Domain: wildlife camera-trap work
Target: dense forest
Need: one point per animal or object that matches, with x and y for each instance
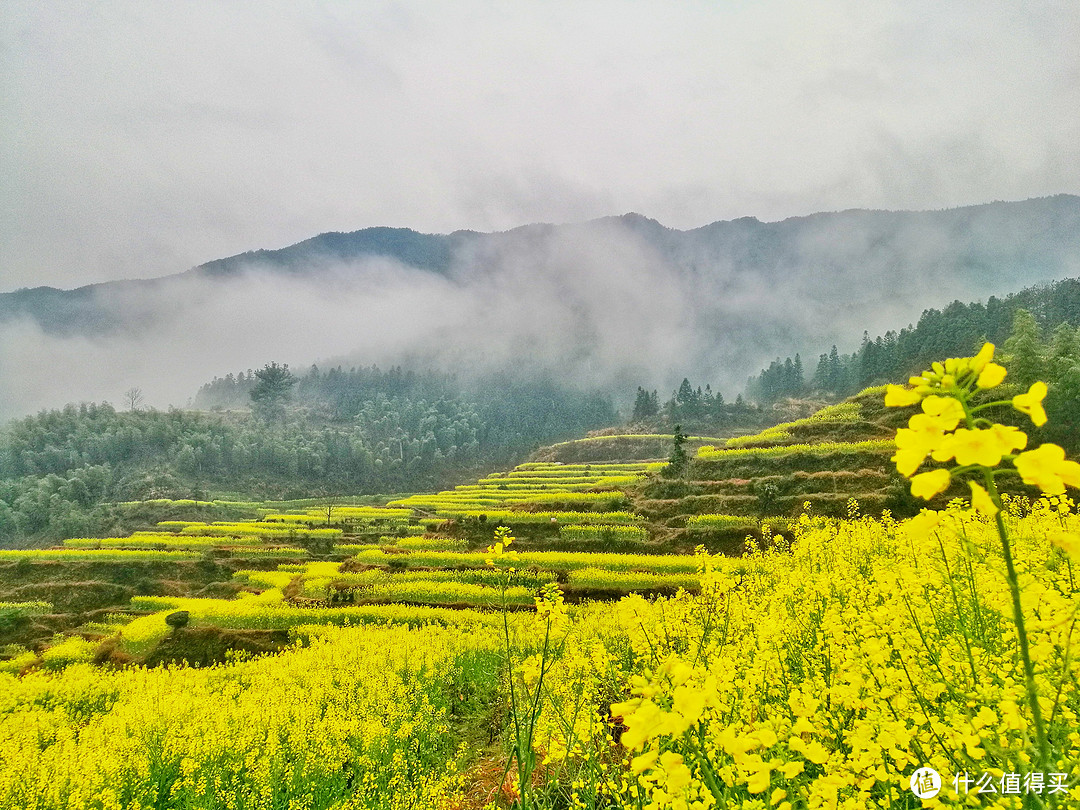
(356, 431)
(1051, 320)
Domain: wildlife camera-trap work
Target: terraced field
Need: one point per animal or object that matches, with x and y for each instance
(609, 520)
(416, 552)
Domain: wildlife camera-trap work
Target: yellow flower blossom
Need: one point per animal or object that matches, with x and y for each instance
(982, 447)
(923, 524)
(947, 410)
(991, 376)
(981, 501)
(979, 362)
(896, 396)
(644, 762)
(792, 769)
(759, 774)
(1031, 403)
(928, 484)
(925, 432)
(643, 720)
(908, 459)
(678, 776)
(813, 750)
(1047, 468)
(1069, 543)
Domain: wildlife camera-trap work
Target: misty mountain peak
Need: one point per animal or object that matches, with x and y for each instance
(592, 301)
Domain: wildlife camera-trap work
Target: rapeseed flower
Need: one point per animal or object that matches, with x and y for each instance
(981, 500)
(1047, 468)
(928, 484)
(1031, 403)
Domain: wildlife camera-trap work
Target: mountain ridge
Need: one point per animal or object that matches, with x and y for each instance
(409, 239)
(609, 304)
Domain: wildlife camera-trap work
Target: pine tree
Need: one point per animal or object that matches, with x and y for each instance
(645, 405)
(1025, 349)
(1064, 351)
(821, 375)
(272, 391)
(679, 459)
(836, 372)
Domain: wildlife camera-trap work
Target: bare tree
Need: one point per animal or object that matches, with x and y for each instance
(329, 507)
(133, 398)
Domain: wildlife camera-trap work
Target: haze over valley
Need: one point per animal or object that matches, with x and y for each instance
(605, 305)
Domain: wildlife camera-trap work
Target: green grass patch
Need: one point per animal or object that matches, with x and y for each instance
(430, 543)
(624, 534)
(720, 522)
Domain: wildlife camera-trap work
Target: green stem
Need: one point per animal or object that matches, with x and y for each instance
(986, 405)
(1021, 628)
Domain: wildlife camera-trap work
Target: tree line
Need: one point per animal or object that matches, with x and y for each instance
(351, 432)
(697, 408)
(956, 330)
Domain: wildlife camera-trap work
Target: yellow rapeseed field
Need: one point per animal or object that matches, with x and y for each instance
(850, 663)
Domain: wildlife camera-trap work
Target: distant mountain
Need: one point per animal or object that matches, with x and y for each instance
(613, 301)
(859, 256)
(421, 250)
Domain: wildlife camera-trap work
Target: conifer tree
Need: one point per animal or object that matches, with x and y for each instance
(1025, 348)
(272, 390)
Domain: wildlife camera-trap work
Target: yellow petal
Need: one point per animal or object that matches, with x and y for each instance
(985, 355)
(644, 762)
(946, 412)
(908, 461)
(981, 500)
(1043, 467)
(896, 396)
(1067, 542)
(991, 376)
(792, 769)
(1031, 403)
(928, 484)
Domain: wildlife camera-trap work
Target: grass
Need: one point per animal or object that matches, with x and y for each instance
(430, 543)
(617, 533)
(720, 522)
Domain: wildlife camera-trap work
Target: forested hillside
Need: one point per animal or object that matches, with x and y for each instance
(359, 431)
(957, 329)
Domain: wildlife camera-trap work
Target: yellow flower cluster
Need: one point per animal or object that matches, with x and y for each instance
(360, 718)
(824, 675)
(550, 606)
(945, 393)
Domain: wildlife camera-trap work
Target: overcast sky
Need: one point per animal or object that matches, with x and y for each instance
(141, 138)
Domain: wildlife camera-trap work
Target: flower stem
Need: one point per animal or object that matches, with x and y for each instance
(1021, 628)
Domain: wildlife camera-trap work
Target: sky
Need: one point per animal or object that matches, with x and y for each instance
(140, 139)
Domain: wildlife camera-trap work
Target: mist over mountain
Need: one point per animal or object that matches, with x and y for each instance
(605, 304)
